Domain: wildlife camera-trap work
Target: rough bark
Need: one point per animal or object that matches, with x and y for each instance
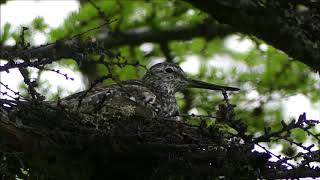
(291, 26)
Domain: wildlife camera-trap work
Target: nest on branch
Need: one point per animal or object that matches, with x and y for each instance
(57, 144)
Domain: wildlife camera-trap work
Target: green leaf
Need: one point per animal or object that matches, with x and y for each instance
(39, 24)
(5, 33)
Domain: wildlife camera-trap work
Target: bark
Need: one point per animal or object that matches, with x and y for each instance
(291, 26)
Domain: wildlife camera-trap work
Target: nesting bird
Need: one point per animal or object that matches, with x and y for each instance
(152, 96)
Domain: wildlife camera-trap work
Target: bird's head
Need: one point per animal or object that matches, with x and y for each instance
(169, 77)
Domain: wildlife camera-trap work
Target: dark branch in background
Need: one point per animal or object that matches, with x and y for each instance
(100, 12)
(31, 85)
(166, 51)
(24, 72)
(188, 98)
(71, 48)
(22, 43)
(279, 23)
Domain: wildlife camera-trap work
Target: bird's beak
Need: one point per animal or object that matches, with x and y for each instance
(204, 85)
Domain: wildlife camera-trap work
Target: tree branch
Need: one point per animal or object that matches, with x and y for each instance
(278, 23)
(68, 48)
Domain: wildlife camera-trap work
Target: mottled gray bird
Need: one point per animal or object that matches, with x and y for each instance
(152, 96)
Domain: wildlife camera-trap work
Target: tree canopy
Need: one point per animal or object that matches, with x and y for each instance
(114, 40)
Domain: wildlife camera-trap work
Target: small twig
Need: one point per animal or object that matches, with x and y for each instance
(11, 90)
(166, 51)
(277, 156)
(31, 85)
(197, 116)
(101, 12)
(59, 72)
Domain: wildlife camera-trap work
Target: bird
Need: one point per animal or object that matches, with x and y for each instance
(151, 96)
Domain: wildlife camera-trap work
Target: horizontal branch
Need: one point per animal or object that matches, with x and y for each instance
(292, 173)
(68, 48)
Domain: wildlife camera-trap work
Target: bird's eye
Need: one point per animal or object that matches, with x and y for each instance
(169, 70)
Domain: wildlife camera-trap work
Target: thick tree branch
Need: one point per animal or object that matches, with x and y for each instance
(69, 48)
(292, 173)
(279, 23)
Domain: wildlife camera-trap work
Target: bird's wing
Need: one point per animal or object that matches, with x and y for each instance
(129, 98)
